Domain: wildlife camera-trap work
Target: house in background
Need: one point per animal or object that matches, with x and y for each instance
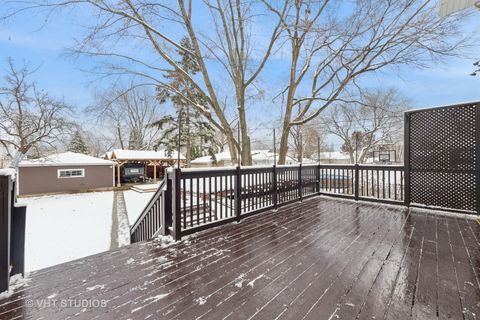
(64, 172)
(223, 159)
(334, 157)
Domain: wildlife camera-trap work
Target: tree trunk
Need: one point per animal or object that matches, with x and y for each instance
(245, 148)
(282, 154)
(120, 137)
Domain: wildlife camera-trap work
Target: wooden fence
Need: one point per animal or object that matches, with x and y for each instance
(12, 232)
(191, 200)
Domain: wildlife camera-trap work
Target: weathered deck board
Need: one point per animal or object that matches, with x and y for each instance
(319, 259)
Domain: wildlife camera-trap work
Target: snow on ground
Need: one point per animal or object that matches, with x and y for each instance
(136, 202)
(123, 232)
(66, 227)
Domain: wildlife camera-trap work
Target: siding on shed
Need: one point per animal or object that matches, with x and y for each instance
(43, 179)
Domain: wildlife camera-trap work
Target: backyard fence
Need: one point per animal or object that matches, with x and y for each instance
(191, 200)
(12, 232)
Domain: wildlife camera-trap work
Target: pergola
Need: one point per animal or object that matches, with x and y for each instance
(160, 158)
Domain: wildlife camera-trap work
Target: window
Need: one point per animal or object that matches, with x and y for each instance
(71, 173)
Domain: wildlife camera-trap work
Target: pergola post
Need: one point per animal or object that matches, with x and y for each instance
(119, 163)
(154, 172)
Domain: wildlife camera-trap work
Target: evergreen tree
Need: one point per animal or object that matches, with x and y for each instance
(77, 144)
(197, 134)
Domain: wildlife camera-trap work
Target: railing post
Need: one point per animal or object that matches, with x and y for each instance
(300, 182)
(406, 159)
(238, 194)
(275, 187)
(319, 170)
(176, 209)
(5, 216)
(17, 247)
(357, 183)
(167, 212)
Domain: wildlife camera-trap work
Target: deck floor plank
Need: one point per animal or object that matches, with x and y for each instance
(318, 259)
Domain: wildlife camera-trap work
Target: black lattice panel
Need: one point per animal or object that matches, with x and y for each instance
(447, 190)
(442, 157)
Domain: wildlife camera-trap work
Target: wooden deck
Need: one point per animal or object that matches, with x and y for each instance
(319, 259)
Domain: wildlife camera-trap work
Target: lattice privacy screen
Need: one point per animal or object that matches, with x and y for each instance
(442, 152)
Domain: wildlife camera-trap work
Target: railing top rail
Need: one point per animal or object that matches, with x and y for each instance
(209, 171)
(161, 188)
(363, 166)
(386, 167)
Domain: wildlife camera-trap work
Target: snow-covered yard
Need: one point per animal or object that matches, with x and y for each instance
(65, 227)
(135, 203)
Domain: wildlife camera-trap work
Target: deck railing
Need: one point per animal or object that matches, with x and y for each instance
(364, 182)
(12, 232)
(191, 200)
(151, 221)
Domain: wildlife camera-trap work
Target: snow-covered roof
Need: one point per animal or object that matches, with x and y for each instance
(257, 155)
(308, 161)
(222, 156)
(121, 154)
(108, 155)
(334, 155)
(66, 159)
(265, 155)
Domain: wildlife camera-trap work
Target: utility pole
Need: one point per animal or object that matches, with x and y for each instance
(239, 160)
(179, 137)
(318, 148)
(274, 149)
(356, 148)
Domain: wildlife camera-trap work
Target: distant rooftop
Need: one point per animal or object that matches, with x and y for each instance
(121, 154)
(67, 159)
(258, 156)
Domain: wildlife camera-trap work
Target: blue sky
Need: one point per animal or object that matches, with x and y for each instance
(61, 74)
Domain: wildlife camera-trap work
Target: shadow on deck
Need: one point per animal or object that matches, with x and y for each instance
(319, 259)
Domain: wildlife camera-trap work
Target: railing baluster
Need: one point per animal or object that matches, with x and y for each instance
(221, 197)
(197, 187)
(191, 202)
(204, 201)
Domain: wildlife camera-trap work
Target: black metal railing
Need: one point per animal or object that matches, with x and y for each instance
(151, 220)
(191, 200)
(364, 182)
(12, 231)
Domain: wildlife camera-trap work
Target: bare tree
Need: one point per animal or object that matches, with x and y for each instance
(333, 43)
(29, 118)
(227, 45)
(328, 46)
(377, 119)
(98, 143)
(129, 113)
(306, 140)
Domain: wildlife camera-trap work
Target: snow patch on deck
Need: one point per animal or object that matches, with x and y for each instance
(16, 282)
(95, 287)
(165, 241)
(150, 300)
(252, 283)
(239, 280)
